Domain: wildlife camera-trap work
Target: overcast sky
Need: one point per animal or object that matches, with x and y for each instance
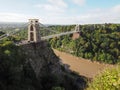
(61, 11)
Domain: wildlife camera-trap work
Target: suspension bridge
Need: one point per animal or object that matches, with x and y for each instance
(76, 29)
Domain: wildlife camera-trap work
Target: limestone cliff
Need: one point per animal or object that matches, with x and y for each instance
(41, 58)
(48, 69)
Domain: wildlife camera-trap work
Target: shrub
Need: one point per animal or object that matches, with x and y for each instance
(108, 80)
(58, 88)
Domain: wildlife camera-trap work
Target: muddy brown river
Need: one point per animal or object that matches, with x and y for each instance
(82, 66)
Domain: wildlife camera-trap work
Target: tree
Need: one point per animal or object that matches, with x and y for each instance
(100, 40)
(107, 80)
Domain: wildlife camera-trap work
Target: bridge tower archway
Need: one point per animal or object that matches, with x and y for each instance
(77, 28)
(76, 35)
(33, 30)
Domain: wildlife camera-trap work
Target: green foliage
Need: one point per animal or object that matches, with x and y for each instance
(48, 81)
(1, 33)
(58, 88)
(7, 52)
(108, 80)
(98, 42)
(15, 74)
(22, 34)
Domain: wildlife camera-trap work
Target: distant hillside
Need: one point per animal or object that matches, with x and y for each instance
(11, 25)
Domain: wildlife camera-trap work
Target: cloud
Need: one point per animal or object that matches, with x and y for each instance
(50, 8)
(53, 6)
(58, 3)
(79, 2)
(116, 9)
(110, 15)
(15, 17)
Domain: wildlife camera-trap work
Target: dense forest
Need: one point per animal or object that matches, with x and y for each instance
(99, 42)
(15, 74)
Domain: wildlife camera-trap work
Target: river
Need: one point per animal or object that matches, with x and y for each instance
(82, 66)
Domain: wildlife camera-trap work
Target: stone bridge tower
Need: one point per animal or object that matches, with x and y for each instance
(76, 35)
(33, 31)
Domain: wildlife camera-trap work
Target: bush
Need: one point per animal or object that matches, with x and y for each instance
(58, 88)
(108, 80)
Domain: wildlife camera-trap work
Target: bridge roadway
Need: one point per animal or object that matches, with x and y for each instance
(43, 38)
(57, 35)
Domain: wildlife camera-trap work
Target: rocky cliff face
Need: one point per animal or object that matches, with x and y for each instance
(48, 69)
(42, 58)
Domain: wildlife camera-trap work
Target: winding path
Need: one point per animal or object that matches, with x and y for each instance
(82, 66)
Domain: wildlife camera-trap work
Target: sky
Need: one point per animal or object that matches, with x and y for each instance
(61, 11)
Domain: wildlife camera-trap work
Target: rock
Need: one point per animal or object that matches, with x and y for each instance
(42, 58)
